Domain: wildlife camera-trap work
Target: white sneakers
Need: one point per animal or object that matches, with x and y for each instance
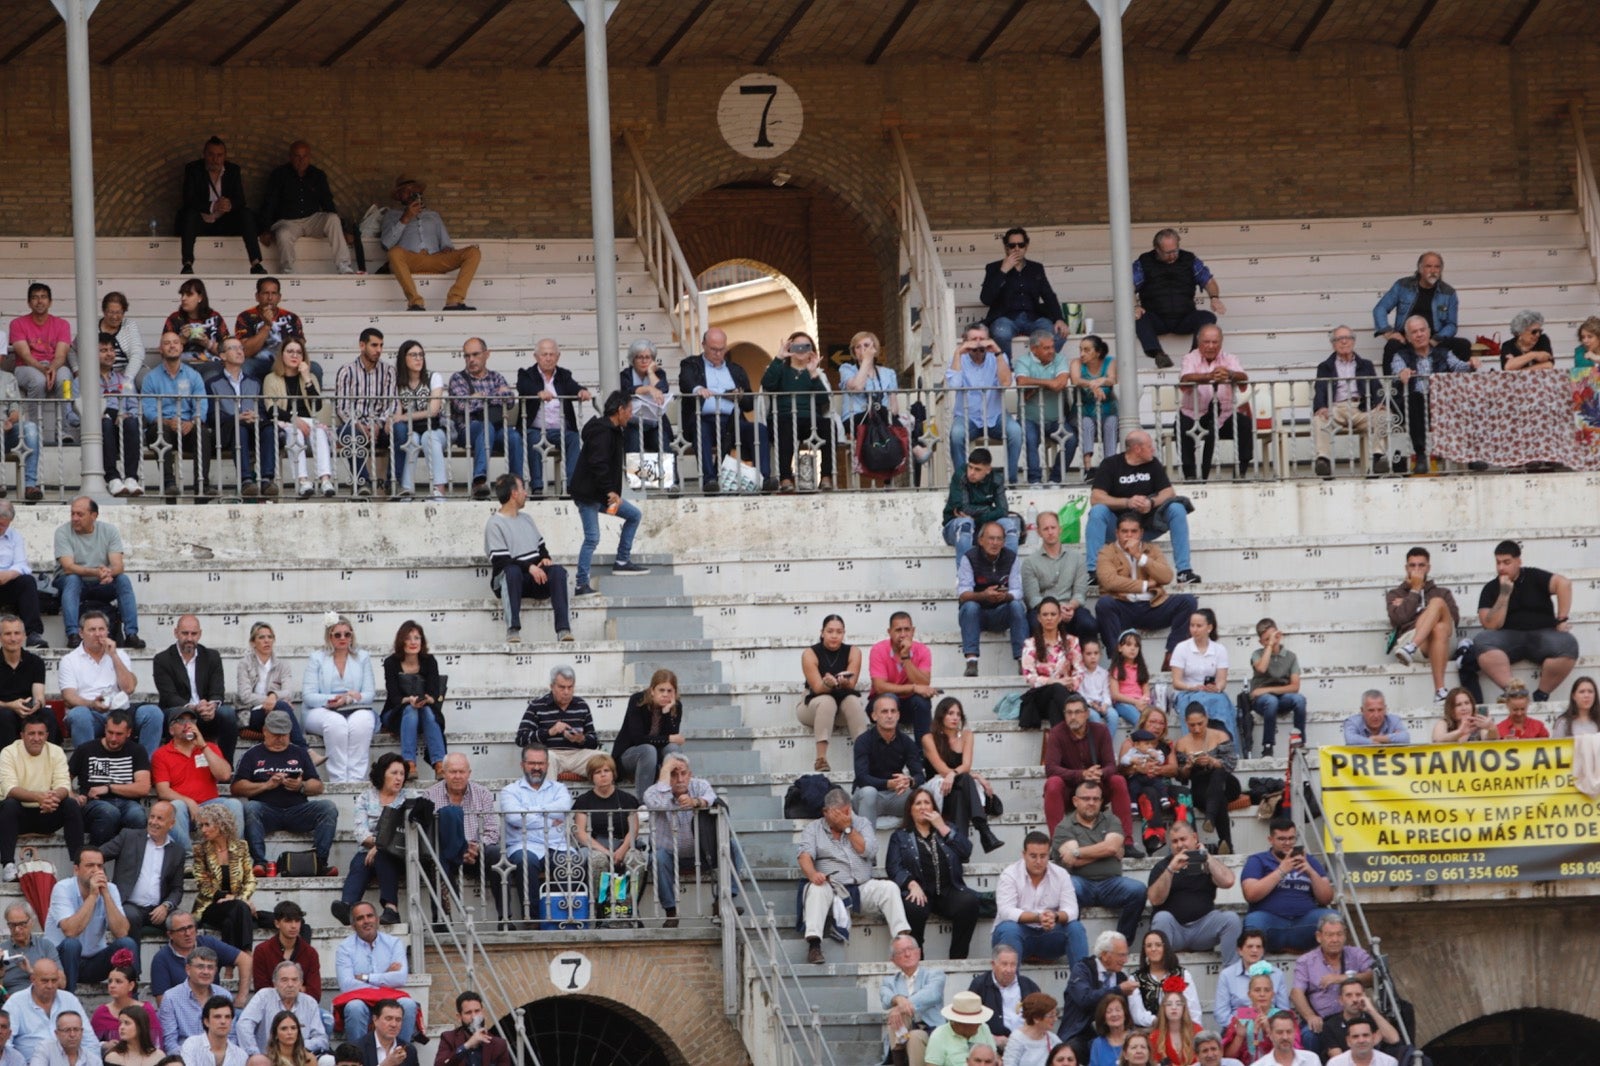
(130, 487)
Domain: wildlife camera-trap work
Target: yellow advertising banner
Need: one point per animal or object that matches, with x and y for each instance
(1460, 813)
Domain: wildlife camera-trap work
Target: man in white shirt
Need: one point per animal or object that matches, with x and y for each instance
(1282, 1027)
(68, 1048)
(1362, 1035)
(149, 869)
(96, 678)
(1036, 908)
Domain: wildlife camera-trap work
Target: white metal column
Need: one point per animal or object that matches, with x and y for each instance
(1120, 212)
(594, 15)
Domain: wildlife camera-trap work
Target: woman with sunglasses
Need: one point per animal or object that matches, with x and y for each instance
(1529, 347)
(338, 690)
(796, 379)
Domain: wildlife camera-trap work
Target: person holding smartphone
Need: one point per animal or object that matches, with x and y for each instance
(832, 672)
(801, 390)
(1288, 892)
(276, 780)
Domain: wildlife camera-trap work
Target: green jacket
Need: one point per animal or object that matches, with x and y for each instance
(985, 501)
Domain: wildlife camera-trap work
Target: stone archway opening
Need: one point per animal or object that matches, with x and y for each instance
(1518, 1038)
(579, 1030)
(757, 306)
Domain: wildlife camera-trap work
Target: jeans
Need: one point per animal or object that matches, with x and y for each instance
(484, 437)
(360, 447)
(256, 719)
(975, 617)
(104, 817)
(1037, 433)
(1125, 711)
(642, 762)
(1049, 944)
(1287, 934)
(180, 822)
(27, 434)
(358, 1019)
(1102, 520)
(451, 825)
(562, 443)
(962, 430)
(959, 533)
(428, 441)
(589, 514)
(85, 724)
(1149, 327)
(92, 969)
(664, 861)
(1006, 327)
(320, 816)
(74, 590)
(515, 587)
(918, 712)
(1267, 708)
(252, 444)
(1124, 894)
(410, 721)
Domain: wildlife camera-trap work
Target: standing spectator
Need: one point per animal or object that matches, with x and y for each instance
(472, 1043)
(652, 728)
(1234, 981)
(1519, 624)
(97, 676)
(237, 424)
(562, 725)
(1080, 750)
(33, 1015)
(596, 485)
(1088, 844)
(287, 943)
(1002, 989)
(1319, 975)
(989, 591)
(187, 771)
(364, 403)
(174, 409)
(520, 563)
(275, 780)
(1200, 672)
(979, 374)
(800, 399)
(91, 557)
(1133, 482)
(837, 855)
(86, 922)
(149, 869)
(1018, 295)
(1096, 688)
(832, 672)
(224, 880)
(338, 691)
(292, 398)
(1094, 374)
(21, 681)
(1183, 894)
(22, 948)
(902, 667)
(412, 696)
(1420, 358)
(113, 776)
(1348, 396)
(368, 959)
(977, 497)
(37, 796)
(1043, 372)
(189, 674)
(418, 243)
(913, 995)
(888, 765)
(533, 809)
(716, 396)
(1052, 667)
(213, 206)
(482, 401)
(200, 330)
(1206, 761)
(1036, 909)
(948, 753)
(386, 791)
(417, 426)
(121, 439)
(262, 681)
(38, 344)
(1424, 617)
(1273, 689)
(266, 327)
(1287, 891)
(925, 859)
(1164, 281)
(1373, 724)
(298, 203)
(1057, 570)
(1516, 725)
(1423, 295)
(1213, 405)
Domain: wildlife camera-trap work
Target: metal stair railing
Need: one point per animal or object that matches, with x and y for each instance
(682, 298)
(1587, 191)
(928, 307)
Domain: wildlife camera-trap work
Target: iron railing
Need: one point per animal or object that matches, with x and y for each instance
(652, 227)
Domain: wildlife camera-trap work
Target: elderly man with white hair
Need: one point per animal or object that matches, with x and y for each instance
(683, 835)
(1090, 980)
(838, 857)
(913, 995)
(562, 723)
(287, 993)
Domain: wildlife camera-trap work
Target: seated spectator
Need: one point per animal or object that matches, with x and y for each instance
(652, 728)
(370, 961)
(113, 776)
(338, 691)
(1134, 482)
(237, 425)
(1284, 1033)
(1096, 686)
(716, 396)
(473, 1041)
(22, 676)
(1094, 373)
(127, 1038)
(1094, 977)
(902, 667)
(1245, 1037)
(1133, 592)
(1316, 990)
(1425, 295)
(1113, 1029)
(275, 779)
(90, 555)
(148, 897)
(1424, 618)
(291, 397)
(69, 1047)
(1206, 759)
(262, 681)
(96, 677)
(605, 822)
(288, 943)
(1200, 672)
(1052, 668)
(549, 421)
(961, 793)
(1373, 724)
(412, 696)
(364, 405)
(298, 203)
(175, 411)
(371, 862)
(1018, 295)
(23, 950)
(1129, 679)
(485, 415)
(386, 1043)
(19, 594)
(1057, 570)
(838, 853)
(183, 1004)
(977, 497)
(683, 836)
(520, 563)
(38, 345)
(832, 672)
(649, 429)
(1088, 844)
(417, 422)
(1355, 1007)
(37, 793)
(888, 765)
(562, 725)
(1002, 989)
(121, 438)
(200, 331)
(217, 1044)
(865, 384)
(1214, 404)
(19, 432)
(534, 812)
(1036, 908)
(418, 243)
(1172, 1035)
(1043, 372)
(265, 328)
(1422, 356)
(463, 811)
(189, 674)
(1273, 688)
(1080, 750)
(1032, 1043)
(33, 1016)
(258, 1025)
(213, 206)
(225, 879)
(1233, 982)
(1519, 624)
(800, 408)
(1461, 722)
(925, 859)
(1516, 725)
(958, 1040)
(169, 966)
(1581, 718)
(187, 771)
(1142, 759)
(989, 591)
(1183, 897)
(913, 995)
(1362, 1036)
(1164, 282)
(1529, 346)
(979, 374)
(1286, 890)
(1348, 397)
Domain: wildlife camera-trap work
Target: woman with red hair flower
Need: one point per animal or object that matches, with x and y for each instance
(1172, 1039)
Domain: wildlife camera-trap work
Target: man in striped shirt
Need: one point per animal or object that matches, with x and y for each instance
(364, 399)
(562, 723)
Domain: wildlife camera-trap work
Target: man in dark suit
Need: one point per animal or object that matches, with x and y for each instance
(213, 205)
(383, 1046)
(471, 1043)
(1002, 982)
(716, 396)
(549, 412)
(1090, 980)
(143, 903)
(189, 674)
(1018, 295)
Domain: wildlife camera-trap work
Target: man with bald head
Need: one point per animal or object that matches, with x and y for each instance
(485, 417)
(550, 399)
(1134, 482)
(33, 1015)
(716, 396)
(300, 204)
(1211, 405)
(188, 674)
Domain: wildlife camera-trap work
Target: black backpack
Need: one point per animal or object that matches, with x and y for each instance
(883, 451)
(804, 798)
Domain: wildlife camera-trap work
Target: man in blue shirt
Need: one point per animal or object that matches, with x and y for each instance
(369, 959)
(33, 1013)
(238, 425)
(1373, 724)
(535, 825)
(168, 964)
(978, 375)
(182, 1007)
(86, 923)
(418, 243)
(175, 416)
(1287, 890)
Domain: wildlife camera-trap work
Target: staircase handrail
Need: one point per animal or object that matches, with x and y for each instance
(926, 273)
(685, 303)
(1587, 191)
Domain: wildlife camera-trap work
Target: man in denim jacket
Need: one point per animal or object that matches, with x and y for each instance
(1424, 294)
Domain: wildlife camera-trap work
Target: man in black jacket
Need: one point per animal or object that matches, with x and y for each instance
(1348, 396)
(1164, 279)
(1018, 295)
(213, 205)
(1002, 990)
(596, 484)
(549, 413)
(383, 1046)
(716, 396)
(203, 689)
(299, 204)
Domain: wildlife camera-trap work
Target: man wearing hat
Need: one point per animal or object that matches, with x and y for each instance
(275, 779)
(418, 243)
(963, 1030)
(186, 771)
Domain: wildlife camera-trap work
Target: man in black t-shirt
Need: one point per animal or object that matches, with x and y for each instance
(275, 779)
(1183, 892)
(1133, 480)
(21, 679)
(1519, 624)
(1355, 1005)
(112, 776)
